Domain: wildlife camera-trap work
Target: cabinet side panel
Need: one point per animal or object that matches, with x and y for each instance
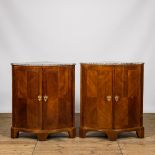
(82, 94)
(141, 94)
(19, 98)
(91, 83)
(134, 96)
(90, 99)
(65, 97)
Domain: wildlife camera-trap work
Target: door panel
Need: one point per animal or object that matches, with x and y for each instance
(57, 111)
(127, 87)
(104, 91)
(27, 108)
(120, 90)
(97, 85)
(50, 107)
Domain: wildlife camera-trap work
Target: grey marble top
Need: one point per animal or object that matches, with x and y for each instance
(42, 63)
(112, 63)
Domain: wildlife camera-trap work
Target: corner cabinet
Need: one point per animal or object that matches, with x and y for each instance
(112, 98)
(43, 99)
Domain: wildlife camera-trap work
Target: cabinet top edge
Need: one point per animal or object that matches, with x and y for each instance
(46, 63)
(112, 63)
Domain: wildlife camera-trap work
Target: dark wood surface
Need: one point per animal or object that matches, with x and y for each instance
(112, 99)
(56, 113)
(26, 88)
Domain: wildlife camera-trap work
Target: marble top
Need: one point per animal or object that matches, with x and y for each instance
(42, 63)
(112, 63)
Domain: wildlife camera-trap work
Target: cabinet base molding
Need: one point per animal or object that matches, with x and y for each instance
(112, 134)
(42, 134)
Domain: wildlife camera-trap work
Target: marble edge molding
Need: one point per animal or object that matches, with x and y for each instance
(63, 64)
(41, 64)
(111, 63)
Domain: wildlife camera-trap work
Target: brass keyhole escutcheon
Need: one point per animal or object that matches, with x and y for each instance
(45, 98)
(39, 98)
(108, 98)
(116, 98)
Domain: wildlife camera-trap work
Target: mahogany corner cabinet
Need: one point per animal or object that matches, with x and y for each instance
(112, 98)
(43, 99)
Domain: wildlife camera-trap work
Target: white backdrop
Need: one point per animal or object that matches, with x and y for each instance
(77, 31)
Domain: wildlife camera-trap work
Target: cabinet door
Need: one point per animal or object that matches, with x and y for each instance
(127, 87)
(26, 88)
(58, 85)
(96, 96)
(105, 93)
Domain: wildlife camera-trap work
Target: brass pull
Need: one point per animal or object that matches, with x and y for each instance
(108, 98)
(116, 98)
(45, 98)
(39, 98)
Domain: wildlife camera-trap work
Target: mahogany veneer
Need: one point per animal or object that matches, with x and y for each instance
(43, 99)
(112, 98)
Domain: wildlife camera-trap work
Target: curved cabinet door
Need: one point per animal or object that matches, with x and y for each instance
(58, 87)
(27, 85)
(105, 97)
(128, 106)
(96, 96)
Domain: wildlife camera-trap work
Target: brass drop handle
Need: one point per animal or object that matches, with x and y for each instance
(45, 98)
(108, 98)
(39, 98)
(116, 98)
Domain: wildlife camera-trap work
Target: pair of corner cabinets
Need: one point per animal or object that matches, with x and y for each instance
(44, 98)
